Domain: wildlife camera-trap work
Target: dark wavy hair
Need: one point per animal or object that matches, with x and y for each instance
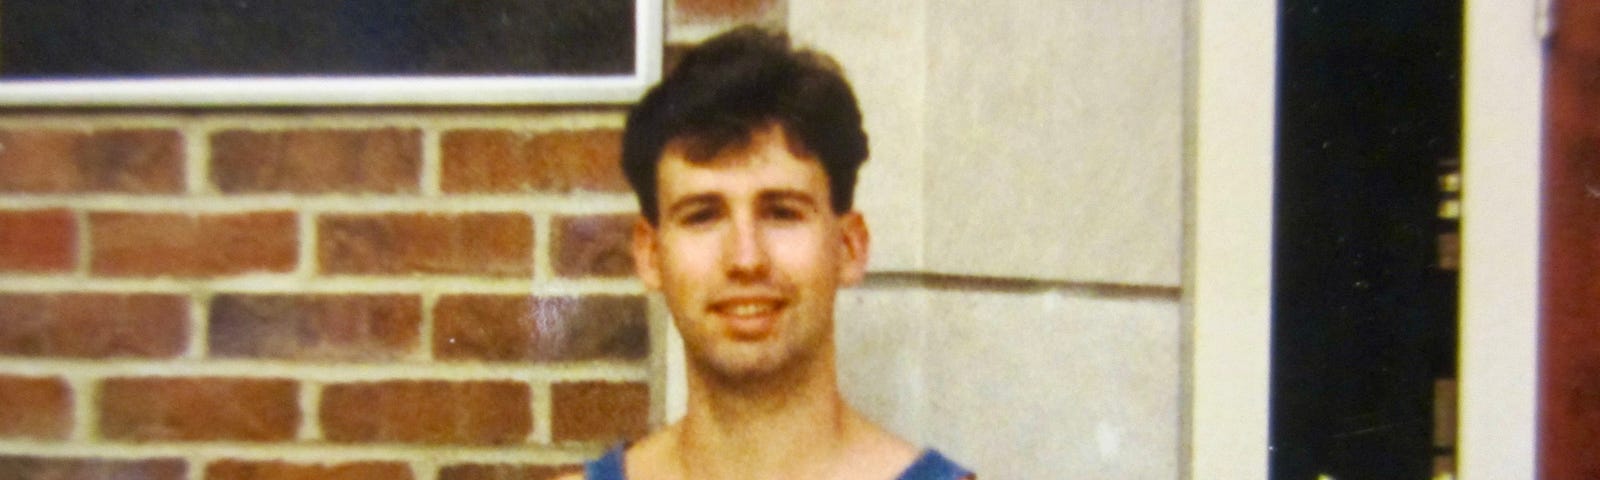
(734, 84)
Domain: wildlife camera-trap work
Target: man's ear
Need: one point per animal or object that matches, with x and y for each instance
(855, 240)
(646, 258)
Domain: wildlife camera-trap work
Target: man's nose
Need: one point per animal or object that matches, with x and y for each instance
(746, 252)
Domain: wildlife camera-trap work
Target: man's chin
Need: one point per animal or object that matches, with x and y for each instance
(743, 367)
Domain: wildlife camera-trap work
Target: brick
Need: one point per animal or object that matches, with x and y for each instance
(500, 161)
(505, 471)
(747, 10)
(93, 325)
(19, 467)
(314, 327)
(598, 411)
(431, 412)
(192, 409)
(496, 244)
(317, 161)
(35, 407)
(524, 328)
(38, 240)
(162, 244)
(593, 245)
(65, 161)
(243, 470)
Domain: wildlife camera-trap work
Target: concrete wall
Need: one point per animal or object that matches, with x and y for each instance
(1019, 381)
(1026, 198)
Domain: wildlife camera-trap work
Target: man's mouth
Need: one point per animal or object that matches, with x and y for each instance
(746, 309)
(749, 319)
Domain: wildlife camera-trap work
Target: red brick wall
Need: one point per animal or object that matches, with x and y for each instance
(323, 293)
(316, 295)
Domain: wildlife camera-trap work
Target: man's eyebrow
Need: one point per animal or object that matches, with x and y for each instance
(789, 195)
(690, 201)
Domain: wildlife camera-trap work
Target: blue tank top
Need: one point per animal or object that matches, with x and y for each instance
(931, 465)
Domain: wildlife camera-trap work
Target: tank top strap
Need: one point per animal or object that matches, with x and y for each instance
(931, 465)
(934, 466)
(607, 467)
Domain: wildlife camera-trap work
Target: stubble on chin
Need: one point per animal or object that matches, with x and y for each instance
(737, 365)
(732, 362)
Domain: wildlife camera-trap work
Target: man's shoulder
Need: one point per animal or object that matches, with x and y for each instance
(887, 455)
(642, 455)
(873, 451)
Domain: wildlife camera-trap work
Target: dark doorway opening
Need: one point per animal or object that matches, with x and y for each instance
(1364, 289)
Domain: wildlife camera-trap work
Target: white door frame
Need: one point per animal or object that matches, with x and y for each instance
(1502, 118)
(1229, 273)
(1230, 240)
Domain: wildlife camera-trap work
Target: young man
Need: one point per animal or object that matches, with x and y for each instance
(744, 160)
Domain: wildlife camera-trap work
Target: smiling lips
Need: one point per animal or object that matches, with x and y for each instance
(749, 318)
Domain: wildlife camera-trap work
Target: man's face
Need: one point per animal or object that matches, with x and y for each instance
(749, 253)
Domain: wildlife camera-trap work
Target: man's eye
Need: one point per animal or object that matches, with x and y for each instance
(785, 213)
(697, 217)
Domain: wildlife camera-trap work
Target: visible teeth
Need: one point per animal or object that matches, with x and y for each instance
(745, 309)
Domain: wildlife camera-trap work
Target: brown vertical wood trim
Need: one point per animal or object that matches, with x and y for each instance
(1569, 424)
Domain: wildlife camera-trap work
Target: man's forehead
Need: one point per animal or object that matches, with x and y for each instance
(767, 139)
(757, 180)
(764, 164)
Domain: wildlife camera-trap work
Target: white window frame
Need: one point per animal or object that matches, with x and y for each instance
(228, 91)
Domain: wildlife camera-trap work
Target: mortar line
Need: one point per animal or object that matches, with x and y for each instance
(424, 469)
(430, 300)
(543, 249)
(85, 416)
(308, 453)
(197, 156)
(542, 410)
(293, 284)
(83, 252)
(199, 326)
(576, 203)
(306, 265)
(658, 321)
(310, 406)
(945, 282)
(432, 163)
(197, 466)
(1190, 155)
(604, 370)
(533, 119)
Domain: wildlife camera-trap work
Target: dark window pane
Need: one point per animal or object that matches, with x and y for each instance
(141, 38)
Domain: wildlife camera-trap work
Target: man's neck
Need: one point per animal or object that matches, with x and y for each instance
(790, 425)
